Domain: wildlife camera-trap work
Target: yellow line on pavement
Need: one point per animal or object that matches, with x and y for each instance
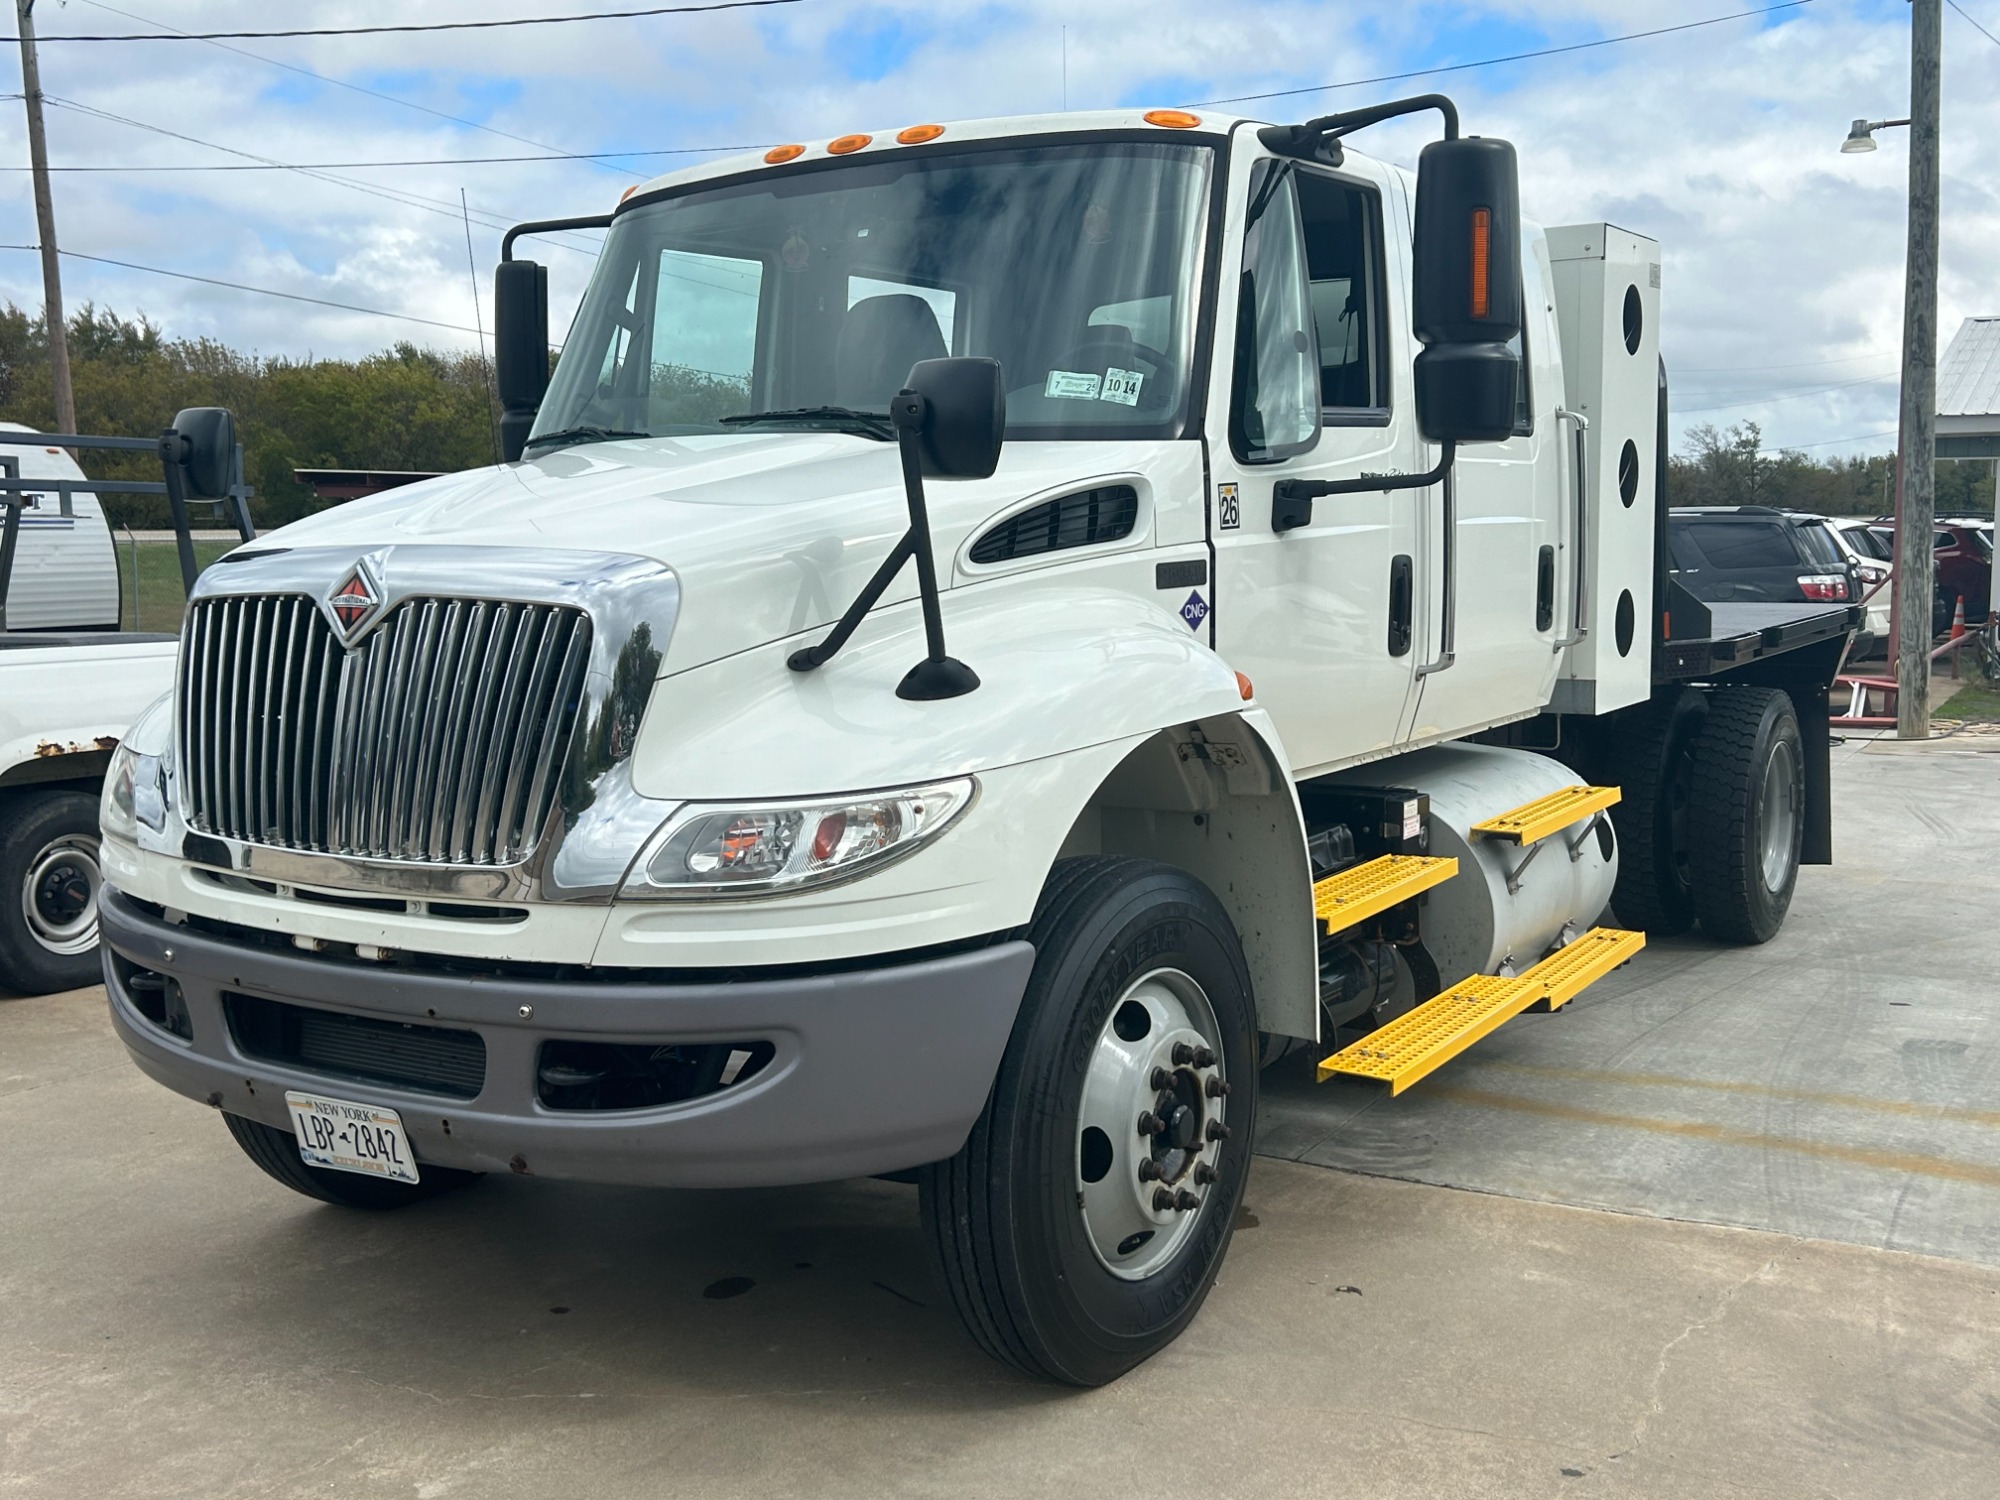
(1723, 1135)
(1756, 1090)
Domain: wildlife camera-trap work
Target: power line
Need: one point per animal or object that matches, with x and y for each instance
(237, 286)
(1995, 40)
(1864, 437)
(1804, 364)
(429, 161)
(410, 26)
(355, 88)
(1487, 62)
(1687, 411)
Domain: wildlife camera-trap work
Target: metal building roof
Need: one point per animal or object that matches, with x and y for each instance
(1969, 374)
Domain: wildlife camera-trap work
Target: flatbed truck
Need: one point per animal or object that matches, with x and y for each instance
(990, 634)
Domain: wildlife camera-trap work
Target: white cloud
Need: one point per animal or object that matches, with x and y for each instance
(1783, 257)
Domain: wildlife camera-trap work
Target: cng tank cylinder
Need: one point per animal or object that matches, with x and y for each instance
(1473, 924)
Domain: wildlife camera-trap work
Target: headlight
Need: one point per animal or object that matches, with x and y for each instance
(133, 794)
(772, 848)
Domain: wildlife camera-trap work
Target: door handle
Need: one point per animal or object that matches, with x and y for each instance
(1580, 594)
(1448, 559)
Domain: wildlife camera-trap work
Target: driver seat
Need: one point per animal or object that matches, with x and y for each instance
(880, 338)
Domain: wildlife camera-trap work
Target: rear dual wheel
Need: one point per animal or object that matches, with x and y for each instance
(1082, 1224)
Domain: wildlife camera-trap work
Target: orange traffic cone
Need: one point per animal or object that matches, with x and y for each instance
(1958, 620)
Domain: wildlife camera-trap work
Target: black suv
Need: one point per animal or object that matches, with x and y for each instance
(1754, 554)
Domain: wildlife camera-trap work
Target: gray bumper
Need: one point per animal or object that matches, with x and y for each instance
(875, 1069)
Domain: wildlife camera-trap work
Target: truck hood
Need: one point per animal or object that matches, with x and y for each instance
(769, 534)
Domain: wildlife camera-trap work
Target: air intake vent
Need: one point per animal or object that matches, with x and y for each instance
(1080, 520)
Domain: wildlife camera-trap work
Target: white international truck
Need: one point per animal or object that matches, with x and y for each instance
(990, 634)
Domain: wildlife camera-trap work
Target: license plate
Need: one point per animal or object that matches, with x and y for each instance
(350, 1137)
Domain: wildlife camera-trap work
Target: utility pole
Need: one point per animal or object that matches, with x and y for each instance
(1917, 452)
(45, 220)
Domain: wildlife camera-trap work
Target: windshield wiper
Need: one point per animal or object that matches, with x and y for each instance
(873, 424)
(583, 435)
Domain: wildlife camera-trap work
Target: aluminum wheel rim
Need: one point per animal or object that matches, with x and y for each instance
(1781, 815)
(59, 896)
(1150, 1124)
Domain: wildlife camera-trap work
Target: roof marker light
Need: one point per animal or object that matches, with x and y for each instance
(628, 192)
(916, 135)
(778, 155)
(847, 145)
(1172, 119)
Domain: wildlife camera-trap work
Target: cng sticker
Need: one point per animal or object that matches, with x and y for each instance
(1195, 610)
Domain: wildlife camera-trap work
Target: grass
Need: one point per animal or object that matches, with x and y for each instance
(157, 602)
(1975, 703)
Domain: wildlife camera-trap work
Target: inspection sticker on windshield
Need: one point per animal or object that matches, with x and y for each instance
(1073, 385)
(1122, 386)
(350, 1137)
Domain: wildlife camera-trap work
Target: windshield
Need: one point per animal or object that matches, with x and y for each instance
(804, 298)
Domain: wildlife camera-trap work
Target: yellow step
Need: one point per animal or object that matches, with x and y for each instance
(1415, 1044)
(1366, 890)
(1547, 815)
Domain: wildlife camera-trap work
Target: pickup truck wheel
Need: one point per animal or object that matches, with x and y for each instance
(49, 880)
(1746, 823)
(1083, 1222)
(277, 1152)
(1653, 766)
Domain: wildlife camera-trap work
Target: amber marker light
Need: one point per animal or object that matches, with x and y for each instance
(1172, 119)
(628, 192)
(778, 155)
(1482, 253)
(916, 135)
(847, 145)
(1243, 687)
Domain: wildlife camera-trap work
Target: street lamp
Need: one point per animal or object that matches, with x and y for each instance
(1862, 136)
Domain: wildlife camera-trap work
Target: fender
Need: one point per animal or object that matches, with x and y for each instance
(64, 709)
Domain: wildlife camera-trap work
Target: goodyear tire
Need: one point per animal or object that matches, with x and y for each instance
(1652, 763)
(277, 1153)
(49, 881)
(1747, 819)
(1082, 1224)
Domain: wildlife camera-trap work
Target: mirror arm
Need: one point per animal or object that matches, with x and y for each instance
(937, 675)
(1292, 499)
(549, 226)
(1320, 139)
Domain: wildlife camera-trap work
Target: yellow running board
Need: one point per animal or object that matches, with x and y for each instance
(1547, 815)
(1366, 890)
(1435, 1032)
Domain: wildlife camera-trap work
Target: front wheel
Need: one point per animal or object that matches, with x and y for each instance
(1084, 1220)
(49, 882)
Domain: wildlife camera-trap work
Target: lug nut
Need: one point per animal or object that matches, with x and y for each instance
(1150, 1123)
(1183, 1054)
(1216, 1089)
(1204, 1058)
(1162, 1080)
(1184, 1200)
(1204, 1174)
(1163, 1200)
(1217, 1131)
(1149, 1171)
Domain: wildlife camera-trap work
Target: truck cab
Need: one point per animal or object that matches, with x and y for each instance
(989, 634)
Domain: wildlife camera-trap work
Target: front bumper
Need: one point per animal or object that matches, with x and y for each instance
(875, 1069)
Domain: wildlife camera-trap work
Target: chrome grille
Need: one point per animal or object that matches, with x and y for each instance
(440, 738)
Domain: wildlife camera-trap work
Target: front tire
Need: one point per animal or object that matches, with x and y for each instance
(277, 1153)
(49, 881)
(1083, 1222)
(1746, 823)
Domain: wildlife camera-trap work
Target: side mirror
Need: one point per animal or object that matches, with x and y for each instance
(520, 348)
(208, 451)
(966, 417)
(1467, 295)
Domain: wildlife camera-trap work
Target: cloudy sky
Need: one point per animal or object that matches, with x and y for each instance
(1783, 257)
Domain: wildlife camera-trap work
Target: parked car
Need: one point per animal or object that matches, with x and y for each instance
(1871, 575)
(1964, 551)
(1752, 554)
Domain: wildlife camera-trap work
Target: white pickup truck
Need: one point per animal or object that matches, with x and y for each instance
(992, 633)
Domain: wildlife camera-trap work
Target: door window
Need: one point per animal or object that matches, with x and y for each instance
(1275, 413)
(1343, 235)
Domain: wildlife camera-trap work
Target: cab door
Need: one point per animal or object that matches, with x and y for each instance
(1309, 384)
